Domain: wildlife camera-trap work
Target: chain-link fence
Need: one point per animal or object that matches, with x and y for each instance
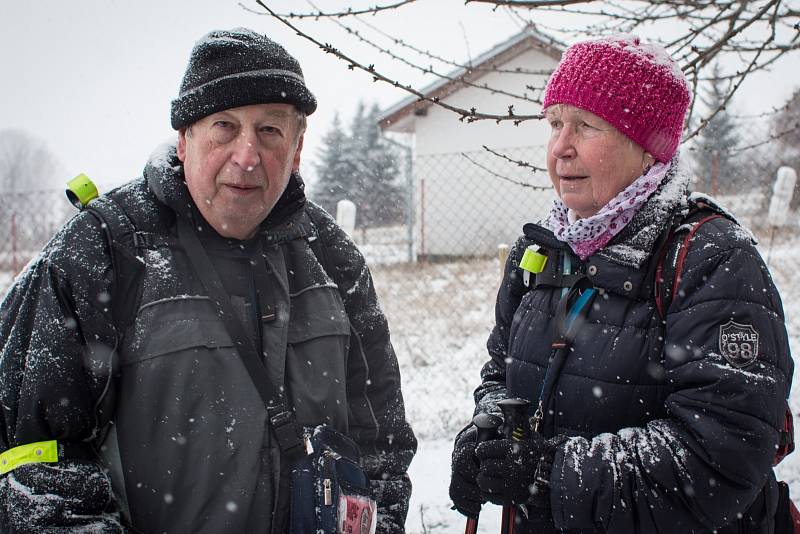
(437, 276)
(466, 205)
(28, 221)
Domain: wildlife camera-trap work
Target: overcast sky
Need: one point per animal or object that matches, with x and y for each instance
(94, 78)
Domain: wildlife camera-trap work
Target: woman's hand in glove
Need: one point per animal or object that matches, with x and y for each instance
(464, 490)
(508, 469)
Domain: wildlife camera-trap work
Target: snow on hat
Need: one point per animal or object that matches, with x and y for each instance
(232, 68)
(635, 86)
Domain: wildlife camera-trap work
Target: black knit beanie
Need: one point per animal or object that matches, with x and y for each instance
(232, 68)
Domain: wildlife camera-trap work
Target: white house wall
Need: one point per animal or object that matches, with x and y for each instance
(462, 209)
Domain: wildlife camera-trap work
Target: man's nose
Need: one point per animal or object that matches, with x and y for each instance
(245, 151)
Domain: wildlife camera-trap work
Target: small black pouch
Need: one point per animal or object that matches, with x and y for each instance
(330, 491)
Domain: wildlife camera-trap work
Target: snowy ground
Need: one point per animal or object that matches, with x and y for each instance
(440, 316)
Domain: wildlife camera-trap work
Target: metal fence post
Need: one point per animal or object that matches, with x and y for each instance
(409, 166)
(502, 255)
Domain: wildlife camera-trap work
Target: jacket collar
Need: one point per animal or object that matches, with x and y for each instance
(618, 267)
(165, 178)
(633, 246)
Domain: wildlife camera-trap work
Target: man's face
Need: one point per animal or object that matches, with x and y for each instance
(589, 160)
(237, 163)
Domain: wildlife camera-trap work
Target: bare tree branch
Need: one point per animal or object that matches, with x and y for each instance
(460, 79)
(506, 178)
(431, 55)
(706, 31)
(518, 163)
(348, 12)
(467, 115)
(529, 3)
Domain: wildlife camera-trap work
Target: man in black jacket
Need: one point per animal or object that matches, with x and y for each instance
(126, 404)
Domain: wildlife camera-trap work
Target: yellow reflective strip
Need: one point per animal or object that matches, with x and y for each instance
(532, 261)
(41, 451)
(81, 190)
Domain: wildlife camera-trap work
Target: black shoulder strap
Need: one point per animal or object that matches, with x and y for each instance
(282, 420)
(127, 268)
(320, 250)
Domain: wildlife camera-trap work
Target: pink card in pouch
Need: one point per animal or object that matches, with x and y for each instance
(357, 514)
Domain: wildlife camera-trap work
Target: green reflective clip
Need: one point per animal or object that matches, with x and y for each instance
(532, 262)
(81, 190)
(41, 451)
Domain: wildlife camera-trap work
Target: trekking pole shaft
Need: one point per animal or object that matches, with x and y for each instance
(472, 525)
(509, 517)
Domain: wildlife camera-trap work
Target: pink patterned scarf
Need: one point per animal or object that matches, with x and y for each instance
(587, 236)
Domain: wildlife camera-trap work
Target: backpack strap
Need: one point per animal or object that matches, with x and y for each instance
(319, 249)
(672, 255)
(786, 438)
(671, 258)
(128, 269)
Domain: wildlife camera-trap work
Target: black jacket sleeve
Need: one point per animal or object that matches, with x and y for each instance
(378, 421)
(56, 349)
(697, 469)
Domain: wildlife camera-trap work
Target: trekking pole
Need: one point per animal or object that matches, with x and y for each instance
(515, 428)
(486, 424)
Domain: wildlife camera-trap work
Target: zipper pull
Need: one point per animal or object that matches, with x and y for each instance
(537, 417)
(326, 484)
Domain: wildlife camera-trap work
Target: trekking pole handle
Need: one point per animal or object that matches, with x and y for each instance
(487, 425)
(514, 415)
(514, 428)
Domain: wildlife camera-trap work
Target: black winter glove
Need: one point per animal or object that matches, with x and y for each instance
(41, 497)
(508, 469)
(464, 491)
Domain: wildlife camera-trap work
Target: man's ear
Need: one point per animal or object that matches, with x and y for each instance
(181, 148)
(296, 160)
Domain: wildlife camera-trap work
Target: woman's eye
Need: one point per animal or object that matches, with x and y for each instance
(223, 124)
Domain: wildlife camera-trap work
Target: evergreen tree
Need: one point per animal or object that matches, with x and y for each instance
(717, 169)
(382, 194)
(361, 167)
(334, 171)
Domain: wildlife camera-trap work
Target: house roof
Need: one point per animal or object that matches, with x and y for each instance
(498, 55)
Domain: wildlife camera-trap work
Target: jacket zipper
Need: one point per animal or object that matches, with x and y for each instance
(326, 484)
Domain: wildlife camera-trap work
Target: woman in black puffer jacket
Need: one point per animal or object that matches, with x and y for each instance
(655, 414)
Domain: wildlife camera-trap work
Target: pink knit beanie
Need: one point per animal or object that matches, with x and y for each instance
(635, 86)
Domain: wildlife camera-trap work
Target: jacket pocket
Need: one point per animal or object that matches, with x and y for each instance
(318, 340)
(317, 311)
(174, 325)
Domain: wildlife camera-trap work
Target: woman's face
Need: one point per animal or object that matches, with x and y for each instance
(589, 160)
